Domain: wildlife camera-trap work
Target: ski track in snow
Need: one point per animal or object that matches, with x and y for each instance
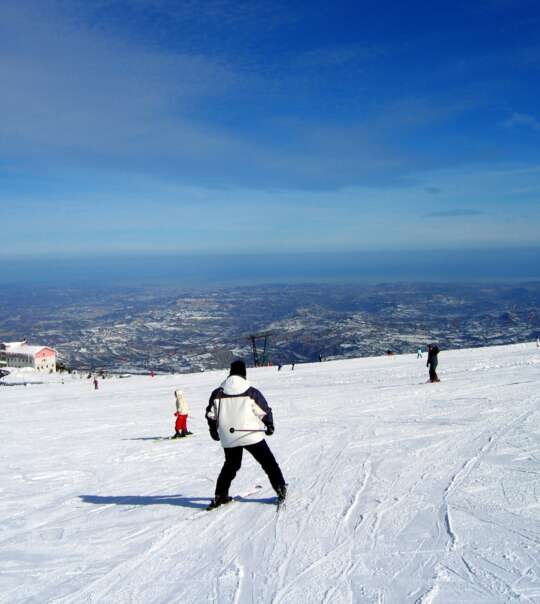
(400, 491)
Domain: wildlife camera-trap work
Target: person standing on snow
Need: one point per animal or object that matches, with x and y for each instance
(432, 362)
(419, 353)
(238, 416)
(182, 411)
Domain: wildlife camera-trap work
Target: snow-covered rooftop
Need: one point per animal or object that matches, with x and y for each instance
(10, 344)
(24, 348)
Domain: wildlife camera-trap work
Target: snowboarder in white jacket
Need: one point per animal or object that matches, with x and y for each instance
(239, 416)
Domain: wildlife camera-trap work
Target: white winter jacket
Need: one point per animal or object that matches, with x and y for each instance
(235, 404)
(181, 403)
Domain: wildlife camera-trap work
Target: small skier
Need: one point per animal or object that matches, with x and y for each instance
(419, 353)
(537, 342)
(279, 367)
(292, 366)
(238, 415)
(96, 384)
(182, 412)
(432, 362)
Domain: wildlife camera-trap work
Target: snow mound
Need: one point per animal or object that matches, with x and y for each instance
(400, 490)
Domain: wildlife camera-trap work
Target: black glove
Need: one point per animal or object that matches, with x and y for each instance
(269, 429)
(214, 433)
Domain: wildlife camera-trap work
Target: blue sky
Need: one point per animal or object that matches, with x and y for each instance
(162, 126)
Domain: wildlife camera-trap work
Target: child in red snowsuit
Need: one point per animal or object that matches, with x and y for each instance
(181, 415)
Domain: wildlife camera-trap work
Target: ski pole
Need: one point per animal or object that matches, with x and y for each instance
(233, 430)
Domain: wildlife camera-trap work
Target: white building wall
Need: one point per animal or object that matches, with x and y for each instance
(19, 354)
(46, 364)
(22, 360)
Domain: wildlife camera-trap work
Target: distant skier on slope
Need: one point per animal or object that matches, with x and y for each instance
(419, 353)
(182, 411)
(432, 362)
(238, 415)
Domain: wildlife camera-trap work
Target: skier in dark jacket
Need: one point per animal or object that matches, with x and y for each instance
(238, 415)
(432, 362)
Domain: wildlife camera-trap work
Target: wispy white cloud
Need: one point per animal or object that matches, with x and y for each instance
(75, 93)
(482, 206)
(522, 120)
(457, 213)
(259, 14)
(86, 94)
(500, 5)
(528, 57)
(419, 111)
(75, 88)
(336, 56)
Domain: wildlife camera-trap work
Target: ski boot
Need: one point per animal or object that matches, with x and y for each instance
(281, 494)
(218, 501)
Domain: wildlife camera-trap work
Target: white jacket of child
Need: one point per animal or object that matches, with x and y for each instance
(181, 403)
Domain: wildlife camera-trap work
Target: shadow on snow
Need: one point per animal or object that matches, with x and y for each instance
(151, 438)
(186, 502)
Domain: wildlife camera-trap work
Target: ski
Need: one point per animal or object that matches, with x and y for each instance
(211, 507)
(162, 438)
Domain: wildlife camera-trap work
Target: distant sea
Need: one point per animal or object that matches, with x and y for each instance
(243, 269)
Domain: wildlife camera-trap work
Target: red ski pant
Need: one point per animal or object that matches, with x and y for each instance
(181, 423)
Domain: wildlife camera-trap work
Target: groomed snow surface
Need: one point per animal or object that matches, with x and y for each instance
(400, 490)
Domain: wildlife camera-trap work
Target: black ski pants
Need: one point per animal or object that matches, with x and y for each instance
(433, 377)
(233, 460)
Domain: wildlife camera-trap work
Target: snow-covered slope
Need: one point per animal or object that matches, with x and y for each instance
(400, 491)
